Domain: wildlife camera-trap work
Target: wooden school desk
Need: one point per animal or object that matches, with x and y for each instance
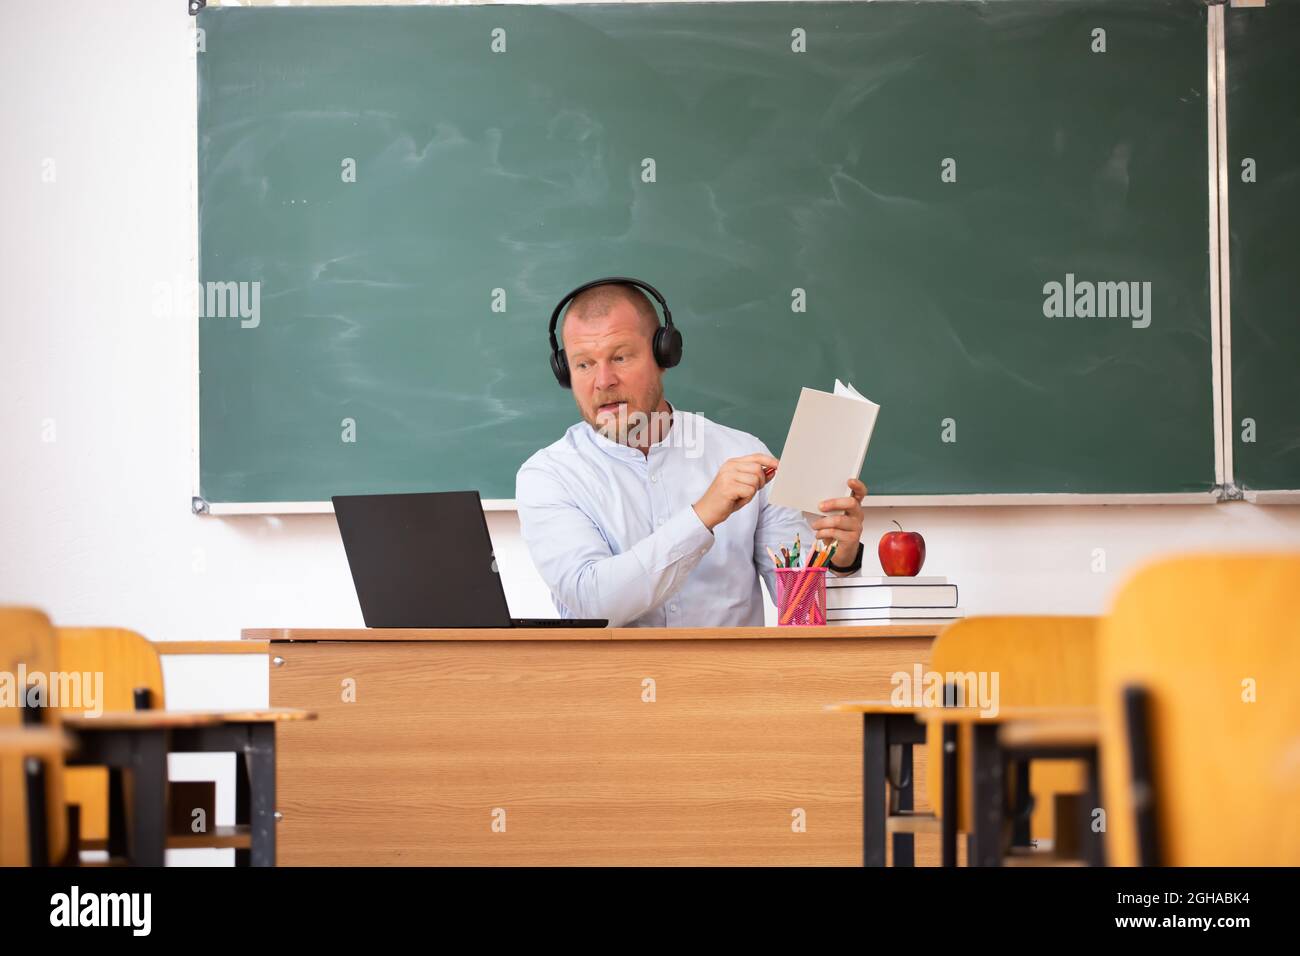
(574, 746)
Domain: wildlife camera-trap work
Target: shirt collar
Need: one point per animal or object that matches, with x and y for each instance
(627, 452)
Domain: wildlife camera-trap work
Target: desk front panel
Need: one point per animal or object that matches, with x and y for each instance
(659, 752)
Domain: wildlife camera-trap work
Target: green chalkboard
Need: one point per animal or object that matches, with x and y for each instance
(1262, 48)
(796, 146)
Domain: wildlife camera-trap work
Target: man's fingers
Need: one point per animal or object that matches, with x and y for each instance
(767, 461)
(750, 469)
(859, 491)
(740, 491)
(836, 523)
(838, 504)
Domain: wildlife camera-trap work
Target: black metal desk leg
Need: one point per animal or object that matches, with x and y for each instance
(900, 782)
(243, 803)
(38, 834)
(116, 813)
(259, 757)
(989, 791)
(949, 809)
(1094, 853)
(874, 759)
(1022, 834)
(147, 825)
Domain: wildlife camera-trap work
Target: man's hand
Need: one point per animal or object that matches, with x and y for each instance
(735, 485)
(846, 528)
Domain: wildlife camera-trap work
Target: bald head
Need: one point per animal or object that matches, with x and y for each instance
(598, 302)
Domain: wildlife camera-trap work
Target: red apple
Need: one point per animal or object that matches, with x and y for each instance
(901, 553)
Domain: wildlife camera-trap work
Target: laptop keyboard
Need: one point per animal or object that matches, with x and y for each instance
(557, 622)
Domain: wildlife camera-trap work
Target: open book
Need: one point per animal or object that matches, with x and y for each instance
(825, 447)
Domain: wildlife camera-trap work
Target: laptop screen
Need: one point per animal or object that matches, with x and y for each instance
(422, 560)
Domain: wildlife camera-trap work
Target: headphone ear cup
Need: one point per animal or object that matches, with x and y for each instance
(668, 346)
(560, 366)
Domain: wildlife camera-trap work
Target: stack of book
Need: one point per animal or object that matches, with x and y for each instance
(923, 600)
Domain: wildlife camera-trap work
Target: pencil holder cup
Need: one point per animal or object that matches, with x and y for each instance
(800, 597)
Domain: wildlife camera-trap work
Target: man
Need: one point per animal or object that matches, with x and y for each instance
(649, 515)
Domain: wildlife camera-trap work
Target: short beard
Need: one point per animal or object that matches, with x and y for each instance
(633, 428)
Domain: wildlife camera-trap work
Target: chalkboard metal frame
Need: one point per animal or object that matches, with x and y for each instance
(1231, 490)
(199, 506)
(1221, 275)
(1216, 111)
(1224, 488)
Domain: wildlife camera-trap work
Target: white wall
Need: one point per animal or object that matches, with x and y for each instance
(95, 525)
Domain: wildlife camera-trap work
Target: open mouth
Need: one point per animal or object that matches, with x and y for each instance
(609, 407)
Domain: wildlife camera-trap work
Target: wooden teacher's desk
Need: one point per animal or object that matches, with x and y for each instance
(565, 746)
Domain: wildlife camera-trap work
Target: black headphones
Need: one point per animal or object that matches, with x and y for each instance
(667, 341)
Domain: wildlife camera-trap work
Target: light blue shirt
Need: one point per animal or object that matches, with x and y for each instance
(613, 534)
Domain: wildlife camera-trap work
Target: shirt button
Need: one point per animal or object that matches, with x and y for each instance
(654, 477)
(660, 521)
(672, 607)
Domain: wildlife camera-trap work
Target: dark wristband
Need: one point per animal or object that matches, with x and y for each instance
(855, 566)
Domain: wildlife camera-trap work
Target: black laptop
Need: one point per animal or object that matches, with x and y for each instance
(425, 560)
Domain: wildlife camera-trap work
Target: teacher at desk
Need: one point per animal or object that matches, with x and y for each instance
(645, 514)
